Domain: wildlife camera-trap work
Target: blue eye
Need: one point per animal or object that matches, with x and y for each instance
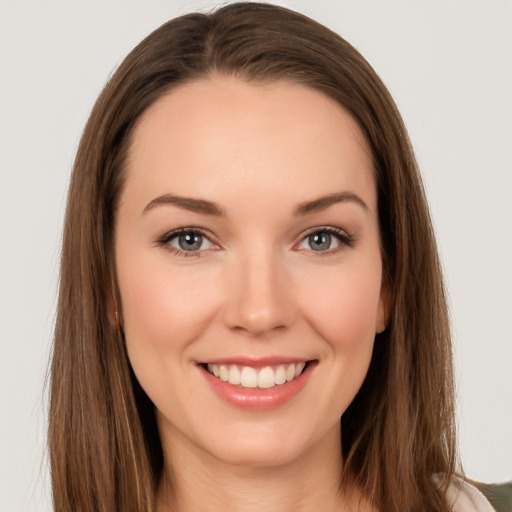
(325, 240)
(186, 240)
(189, 241)
(320, 241)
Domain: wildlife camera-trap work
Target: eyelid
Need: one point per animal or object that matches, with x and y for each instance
(344, 238)
(163, 241)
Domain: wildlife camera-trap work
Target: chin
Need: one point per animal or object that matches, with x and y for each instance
(269, 456)
(263, 446)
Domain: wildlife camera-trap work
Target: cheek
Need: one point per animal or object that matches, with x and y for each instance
(164, 311)
(164, 308)
(344, 313)
(344, 306)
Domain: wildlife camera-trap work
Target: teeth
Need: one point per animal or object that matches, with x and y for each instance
(266, 378)
(248, 377)
(280, 377)
(234, 376)
(224, 373)
(214, 370)
(298, 368)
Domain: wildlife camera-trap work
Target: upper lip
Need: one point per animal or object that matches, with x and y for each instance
(256, 362)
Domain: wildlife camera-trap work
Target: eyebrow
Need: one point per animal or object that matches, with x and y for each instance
(324, 202)
(210, 208)
(187, 203)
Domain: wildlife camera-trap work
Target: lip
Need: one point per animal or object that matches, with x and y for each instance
(256, 399)
(255, 362)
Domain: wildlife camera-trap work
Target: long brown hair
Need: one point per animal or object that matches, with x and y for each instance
(398, 436)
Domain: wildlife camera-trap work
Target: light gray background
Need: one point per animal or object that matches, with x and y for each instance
(449, 66)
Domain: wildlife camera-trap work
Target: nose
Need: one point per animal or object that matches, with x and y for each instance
(259, 297)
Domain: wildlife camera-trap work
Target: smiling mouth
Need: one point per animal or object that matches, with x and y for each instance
(262, 378)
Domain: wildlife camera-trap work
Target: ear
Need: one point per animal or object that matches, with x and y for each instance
(382, 318)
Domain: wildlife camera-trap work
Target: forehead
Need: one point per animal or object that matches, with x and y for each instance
(210, 134)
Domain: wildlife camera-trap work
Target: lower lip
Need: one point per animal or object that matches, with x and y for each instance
(256, 399)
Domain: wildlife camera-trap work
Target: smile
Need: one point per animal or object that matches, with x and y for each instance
(257, 385)
(263, 378)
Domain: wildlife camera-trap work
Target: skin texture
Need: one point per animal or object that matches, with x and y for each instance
(254, 288)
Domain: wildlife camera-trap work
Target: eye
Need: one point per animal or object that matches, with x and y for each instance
(325, 240)
(186, 241)
(321, 241)
(189, 242)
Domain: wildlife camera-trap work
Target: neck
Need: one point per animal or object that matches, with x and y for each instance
(200, 481)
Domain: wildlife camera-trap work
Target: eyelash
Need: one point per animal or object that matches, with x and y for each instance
(344, 239)
(164, 240)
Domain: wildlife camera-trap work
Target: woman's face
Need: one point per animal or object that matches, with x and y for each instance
(249, 267)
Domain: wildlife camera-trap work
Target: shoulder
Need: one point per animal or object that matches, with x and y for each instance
(464, 497)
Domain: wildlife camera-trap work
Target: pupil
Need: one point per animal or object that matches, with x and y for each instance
(190, 241)
(320, 241)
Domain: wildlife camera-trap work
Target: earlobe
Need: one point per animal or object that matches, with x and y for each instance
(382, 317)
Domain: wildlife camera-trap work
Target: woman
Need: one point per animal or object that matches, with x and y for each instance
(248, 258)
